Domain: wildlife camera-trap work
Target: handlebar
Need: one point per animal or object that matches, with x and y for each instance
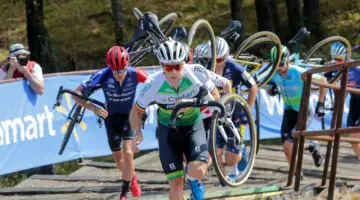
(194, 103)
(62, 91)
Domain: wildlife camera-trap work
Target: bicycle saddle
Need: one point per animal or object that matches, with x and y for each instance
(178, 33)
(234, 27)
(302, 34)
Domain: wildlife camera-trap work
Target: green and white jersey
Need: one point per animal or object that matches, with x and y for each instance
(159, 90)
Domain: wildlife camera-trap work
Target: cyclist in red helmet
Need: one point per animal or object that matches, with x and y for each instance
(118, 82)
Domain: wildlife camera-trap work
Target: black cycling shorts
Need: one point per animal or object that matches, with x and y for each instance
(354, 111)
(118, 129)
(174, 143)
(288, 124)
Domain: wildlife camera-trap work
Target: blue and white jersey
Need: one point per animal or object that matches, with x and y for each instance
(119, 98)
(237, 74)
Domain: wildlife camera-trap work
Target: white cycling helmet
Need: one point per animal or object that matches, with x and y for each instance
(171, 52)
(338, 51)
(201, 51)
(222, 47)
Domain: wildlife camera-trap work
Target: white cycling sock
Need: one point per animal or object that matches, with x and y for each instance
(234, 171)
(190, 178)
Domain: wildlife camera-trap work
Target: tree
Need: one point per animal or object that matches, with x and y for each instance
(118, 16)
(267, 15)
(238, 14)
(38, 37)
(312, 16)
(295, 18)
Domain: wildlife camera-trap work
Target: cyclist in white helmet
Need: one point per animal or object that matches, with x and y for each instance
(338, 54)
(177, 81)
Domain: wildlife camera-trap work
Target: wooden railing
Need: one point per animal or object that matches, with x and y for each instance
(332, 135)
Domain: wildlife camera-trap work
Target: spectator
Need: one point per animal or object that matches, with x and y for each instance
(20, 67)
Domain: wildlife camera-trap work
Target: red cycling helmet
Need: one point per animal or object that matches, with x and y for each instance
(117, 58)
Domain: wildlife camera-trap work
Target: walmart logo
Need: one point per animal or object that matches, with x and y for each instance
(65, 112)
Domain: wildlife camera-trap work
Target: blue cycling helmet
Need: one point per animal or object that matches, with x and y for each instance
(338, 51)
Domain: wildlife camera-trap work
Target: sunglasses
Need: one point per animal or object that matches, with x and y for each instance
(282, 64)
(220, 60)
(170, 68)
(119, 72)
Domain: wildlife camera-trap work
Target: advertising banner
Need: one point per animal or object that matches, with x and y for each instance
(31, 130)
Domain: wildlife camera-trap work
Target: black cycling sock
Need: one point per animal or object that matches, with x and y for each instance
(125, 188)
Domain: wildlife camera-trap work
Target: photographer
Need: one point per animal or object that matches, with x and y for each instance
(20, 67)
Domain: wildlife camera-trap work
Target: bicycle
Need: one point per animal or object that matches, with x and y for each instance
(221, 120)
(76, 113)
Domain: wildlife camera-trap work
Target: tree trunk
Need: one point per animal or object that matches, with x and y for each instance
(118, 15)
(312, 16)
(238, 14)
(38, 37)
(264, 15)
(275, 15)
(295, 18)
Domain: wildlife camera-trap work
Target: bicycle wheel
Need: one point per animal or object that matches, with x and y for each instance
(201, 32)
(319, 56)
(257, 122)
(248, 142)
(137, 56)
(254, 55)
(70, 128)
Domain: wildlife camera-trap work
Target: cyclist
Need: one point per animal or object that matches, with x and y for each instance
(288, 79)
(118, 82)
(338, 54)
(236, 73)
(176, 82)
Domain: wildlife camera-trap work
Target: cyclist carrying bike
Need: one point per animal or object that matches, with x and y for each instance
(338, 54)
(237, 74)
(177, 81)
(118, 82)
(288, 79)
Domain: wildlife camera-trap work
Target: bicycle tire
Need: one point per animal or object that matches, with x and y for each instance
(323, 43)
(201, 23)
(255, 39)
(253, 137)
(138, 57)
(257, 123)
(70, 129)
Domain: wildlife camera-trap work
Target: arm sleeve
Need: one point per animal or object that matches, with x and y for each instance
(243, 75)
(2, 73)
(202, 74)
(37, 72)
(141, 75)
(218, 80)
(92, 82)
(147, 93)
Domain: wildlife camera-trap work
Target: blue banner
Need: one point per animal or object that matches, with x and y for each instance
(31, 131)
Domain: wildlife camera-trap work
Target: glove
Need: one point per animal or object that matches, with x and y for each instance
(320, 109)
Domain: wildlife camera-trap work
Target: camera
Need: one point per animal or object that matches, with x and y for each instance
(22, 60)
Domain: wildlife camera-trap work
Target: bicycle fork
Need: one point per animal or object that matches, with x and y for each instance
(232, 127)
